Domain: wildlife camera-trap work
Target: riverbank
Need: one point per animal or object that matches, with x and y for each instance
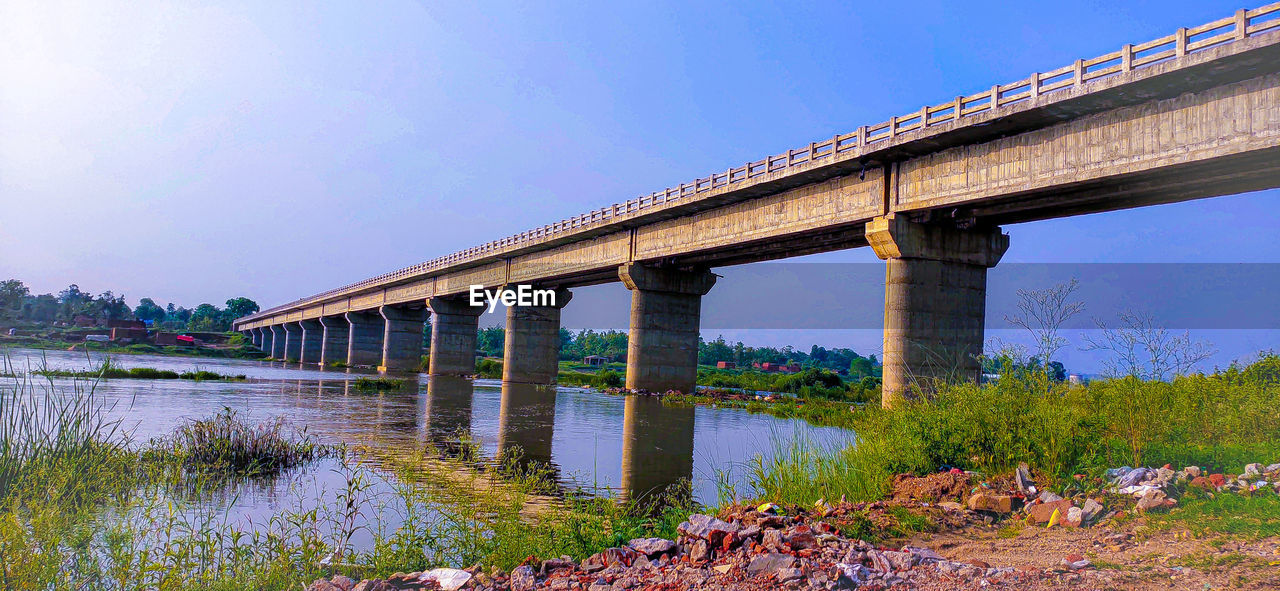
(236, 351)
(840, 511)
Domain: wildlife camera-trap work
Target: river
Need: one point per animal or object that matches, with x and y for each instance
(594, 443)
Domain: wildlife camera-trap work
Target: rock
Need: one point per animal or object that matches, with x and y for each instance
(1091, 510)
(1192, 471)
(1273, 468)
(652, 547)
(551, 565)
(1074, 518)
(700, 551)
(770, 563)
(370, 585)
(899, 561)
(448, 579)
(851, 575)
(985, 501)
(801, 537)
(1023, 476)
(707, 528)
(522, 578)
(722, 568)
(1048, 497)
(921, 555)
(1042, 512)
(1218, 480)
(1202, 482)
(343, 582)
(1153, 499)
(951, 506)
(787, 575)
(1252, 470)
(773, 539)
(322, 585)
(1075, 562)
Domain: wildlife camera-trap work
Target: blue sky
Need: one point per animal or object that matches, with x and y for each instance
(199, 151)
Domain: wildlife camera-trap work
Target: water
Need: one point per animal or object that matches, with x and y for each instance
(603, 444)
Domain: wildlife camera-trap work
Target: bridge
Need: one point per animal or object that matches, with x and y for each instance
(1190, 115)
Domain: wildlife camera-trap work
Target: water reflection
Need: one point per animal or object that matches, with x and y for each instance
(633, 447)
(448, 413)
(526, 426)
(657, 450)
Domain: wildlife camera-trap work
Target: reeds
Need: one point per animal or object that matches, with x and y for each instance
(228, 444)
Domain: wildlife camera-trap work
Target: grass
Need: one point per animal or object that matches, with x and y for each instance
(377, 384)
(228, 444)
(604, 378)
(123, 530)
(108, 370)
(1219, 422)
(1251, 517)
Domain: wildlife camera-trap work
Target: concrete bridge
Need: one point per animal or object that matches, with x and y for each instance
(1194, 114)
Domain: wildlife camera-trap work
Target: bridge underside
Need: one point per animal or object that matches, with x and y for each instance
(1200, 126)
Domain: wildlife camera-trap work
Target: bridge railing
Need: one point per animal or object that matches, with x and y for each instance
(1243, 24)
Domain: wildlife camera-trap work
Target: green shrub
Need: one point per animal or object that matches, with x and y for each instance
(489, 368)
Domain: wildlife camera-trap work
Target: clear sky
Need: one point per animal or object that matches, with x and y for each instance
(193, 152)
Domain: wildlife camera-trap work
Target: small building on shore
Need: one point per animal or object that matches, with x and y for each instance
(595, 360)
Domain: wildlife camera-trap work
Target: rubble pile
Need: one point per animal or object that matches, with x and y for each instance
(753, 549)
(768, 547)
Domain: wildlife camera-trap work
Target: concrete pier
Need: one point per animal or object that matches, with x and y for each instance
(935, 300)
(275, 342)
(402, 338)
(657, 450)
(312, 337)
(364, 343)
(662, 347)
(333, 343)
(453, 336)
(292, 341)
(531, 351)
(255, 337)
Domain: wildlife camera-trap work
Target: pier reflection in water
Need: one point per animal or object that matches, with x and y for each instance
(632, 447)
(657, 451)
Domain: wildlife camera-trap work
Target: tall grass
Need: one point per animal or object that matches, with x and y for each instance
(53, 442)
(1220, 422)
(226, 443)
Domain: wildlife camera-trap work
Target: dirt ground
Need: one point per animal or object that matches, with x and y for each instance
(1124, 556)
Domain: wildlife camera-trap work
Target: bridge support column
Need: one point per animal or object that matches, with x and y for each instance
(935, 300)
(453, 336)
(662, 347)
(333, 343)
(255, 337)
(312, 337)
(364, 341)
(292, 341)
(531, 351)
(402, 338)
(275, 344)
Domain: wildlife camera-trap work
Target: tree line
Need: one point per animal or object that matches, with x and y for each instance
(19, 305)
(612, 345)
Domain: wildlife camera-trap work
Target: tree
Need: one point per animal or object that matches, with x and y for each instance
(241, 307)
(148, 311)
(1140, 349)
(12, 295)
(1043, 312)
